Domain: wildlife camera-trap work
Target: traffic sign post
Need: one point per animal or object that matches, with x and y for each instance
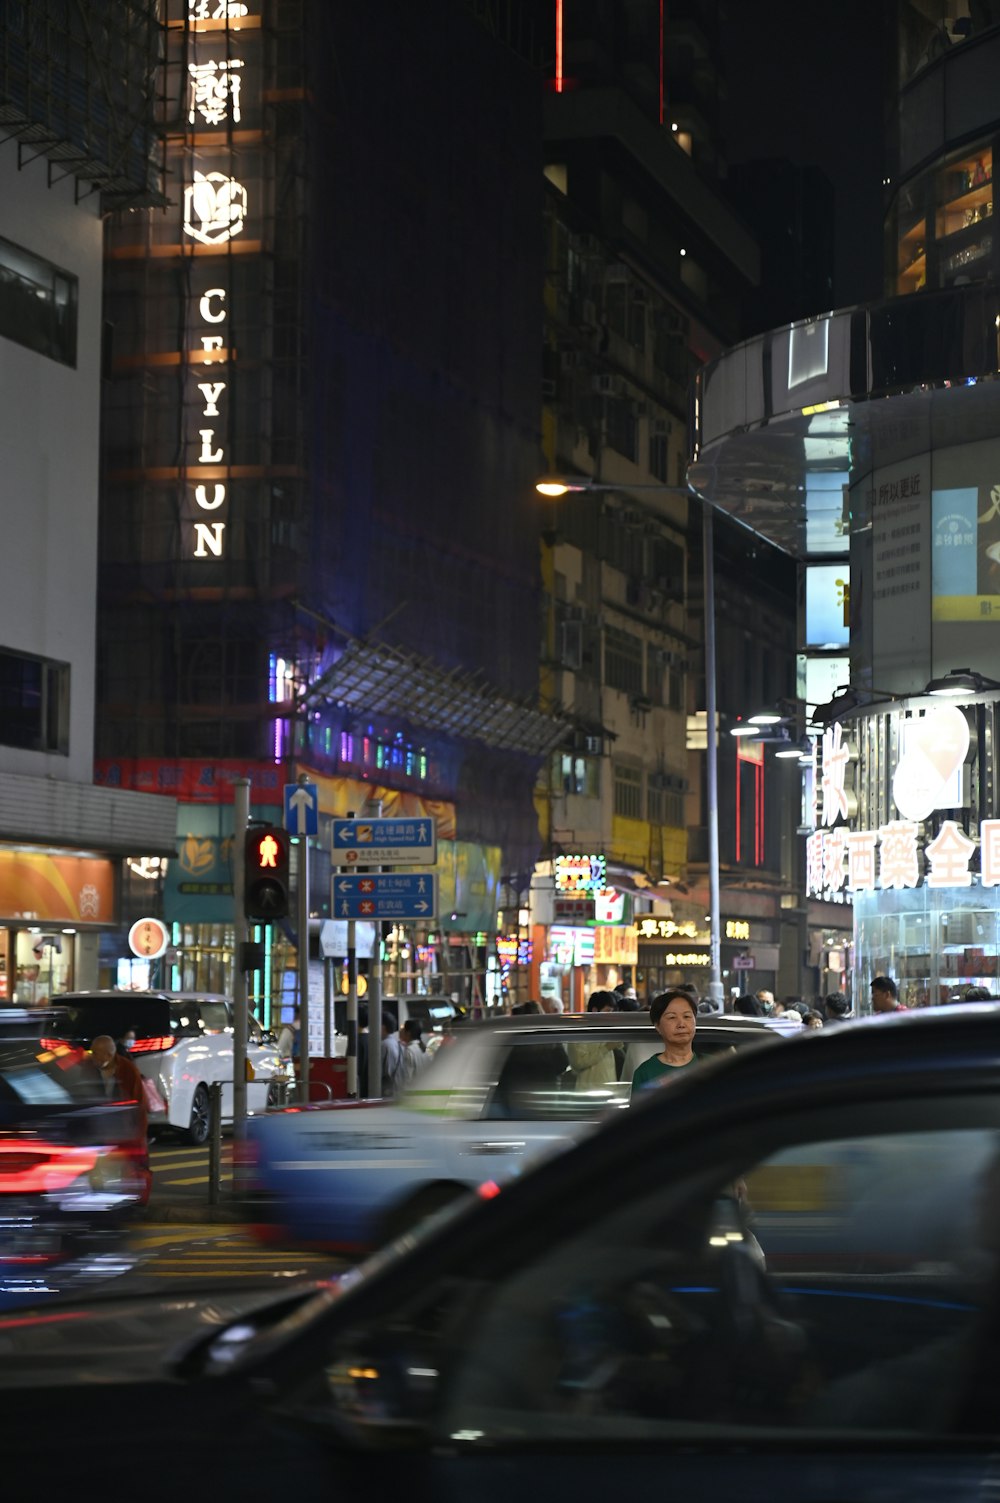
(395, 896)
(743, 963)
(383, 842)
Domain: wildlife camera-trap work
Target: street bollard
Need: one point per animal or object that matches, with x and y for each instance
(214, 1142)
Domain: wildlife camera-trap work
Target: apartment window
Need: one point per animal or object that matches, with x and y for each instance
(37, 303)
(34, 703)
(664, 807)
(659, 456)
(575, 774)
(628, 792)
(623, 660)
(622, 429)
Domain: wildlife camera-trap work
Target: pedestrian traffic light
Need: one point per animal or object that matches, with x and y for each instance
(265, 873)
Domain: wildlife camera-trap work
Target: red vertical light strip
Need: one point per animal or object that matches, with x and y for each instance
(661, 62)
(759, 820)
(739, 774)
(559, 46)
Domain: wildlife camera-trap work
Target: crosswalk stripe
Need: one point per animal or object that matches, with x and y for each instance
(173, 1159)
(218, 1273)
(198, 1179)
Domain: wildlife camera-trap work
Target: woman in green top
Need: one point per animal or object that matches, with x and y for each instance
(675, 1018)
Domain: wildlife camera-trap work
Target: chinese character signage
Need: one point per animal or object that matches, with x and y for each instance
(220, 191)
(890, 857)
(649, 928)
(616, 944)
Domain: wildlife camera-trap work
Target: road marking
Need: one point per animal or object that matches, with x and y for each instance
(198, 1179)
(218, 1273)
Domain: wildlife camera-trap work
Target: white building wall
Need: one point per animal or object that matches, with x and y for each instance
(49, 431)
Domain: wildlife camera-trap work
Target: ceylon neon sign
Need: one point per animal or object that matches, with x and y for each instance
(215, 210)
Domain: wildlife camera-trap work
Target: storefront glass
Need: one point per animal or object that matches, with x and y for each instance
(934, 945)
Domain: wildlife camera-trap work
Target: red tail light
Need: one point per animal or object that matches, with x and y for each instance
(41, 1167)
(153, 1046)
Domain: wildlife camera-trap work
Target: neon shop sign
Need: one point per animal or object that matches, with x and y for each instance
(215, 212)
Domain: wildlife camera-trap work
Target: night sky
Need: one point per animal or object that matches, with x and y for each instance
(809, 82)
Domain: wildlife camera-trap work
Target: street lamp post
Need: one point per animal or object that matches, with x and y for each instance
(562, 485)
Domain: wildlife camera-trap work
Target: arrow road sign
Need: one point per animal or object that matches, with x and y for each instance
(383, 842)
(385, 895)
(301, 808)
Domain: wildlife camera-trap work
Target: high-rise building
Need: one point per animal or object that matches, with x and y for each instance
(319, 542)
(864, 444)
(647, 271)
(76, 141)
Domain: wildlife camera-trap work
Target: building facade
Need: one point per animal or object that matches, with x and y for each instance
(319, 547)
(863, 442)
(647, 273)
(76, 140)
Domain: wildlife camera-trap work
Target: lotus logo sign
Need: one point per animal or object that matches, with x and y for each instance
(928, 775)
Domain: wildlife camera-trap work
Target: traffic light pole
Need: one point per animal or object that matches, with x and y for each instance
(303, 977)
(241, 819)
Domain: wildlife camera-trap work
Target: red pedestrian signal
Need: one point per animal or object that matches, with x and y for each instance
(265, 873)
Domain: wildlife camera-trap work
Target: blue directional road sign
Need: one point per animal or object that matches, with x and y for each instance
(383, 842)
(301, 808)
(385, 895)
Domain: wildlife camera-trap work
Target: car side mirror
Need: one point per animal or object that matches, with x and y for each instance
(383, 1386)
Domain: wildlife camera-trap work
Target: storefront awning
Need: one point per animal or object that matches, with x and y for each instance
(373, 679)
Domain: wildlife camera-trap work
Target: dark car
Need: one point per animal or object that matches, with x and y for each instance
(73, 1164)
(775, 1277)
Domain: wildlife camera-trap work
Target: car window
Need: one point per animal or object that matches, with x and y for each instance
(85, 1018)
(836, 1283)
(214, 1017)
(555, 1078)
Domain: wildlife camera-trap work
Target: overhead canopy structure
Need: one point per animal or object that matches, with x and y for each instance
(77, 87)
(789, 421)
(373, 679)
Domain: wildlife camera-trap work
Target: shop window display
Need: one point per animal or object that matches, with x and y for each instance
(943, 224)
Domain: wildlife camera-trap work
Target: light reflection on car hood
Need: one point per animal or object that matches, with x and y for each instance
(116, 1340)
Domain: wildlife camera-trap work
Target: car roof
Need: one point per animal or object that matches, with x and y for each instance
(610, 1022)
(158, 994)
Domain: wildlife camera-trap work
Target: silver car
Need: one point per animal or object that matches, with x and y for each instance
(496, 1097)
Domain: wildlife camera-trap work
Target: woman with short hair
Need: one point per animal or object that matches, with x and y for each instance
(674, 1016)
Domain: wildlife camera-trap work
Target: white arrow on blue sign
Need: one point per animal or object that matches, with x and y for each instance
(385, 895)
(301, 808)
(383, 842)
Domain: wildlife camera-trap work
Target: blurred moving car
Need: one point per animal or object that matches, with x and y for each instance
(605, 1321)
(183, 1042)
(496, 1096)
(72, 1163)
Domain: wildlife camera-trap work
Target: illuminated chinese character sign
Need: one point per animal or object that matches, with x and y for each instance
(924, 759)
(218, 58)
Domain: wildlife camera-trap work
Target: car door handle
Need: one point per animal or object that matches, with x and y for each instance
(483, 1146)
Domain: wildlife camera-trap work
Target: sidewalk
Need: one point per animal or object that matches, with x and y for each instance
(167, 1205)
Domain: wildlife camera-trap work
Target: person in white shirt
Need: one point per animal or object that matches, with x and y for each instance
(418, 1057)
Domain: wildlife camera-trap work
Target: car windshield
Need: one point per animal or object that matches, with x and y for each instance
(33, 1075)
